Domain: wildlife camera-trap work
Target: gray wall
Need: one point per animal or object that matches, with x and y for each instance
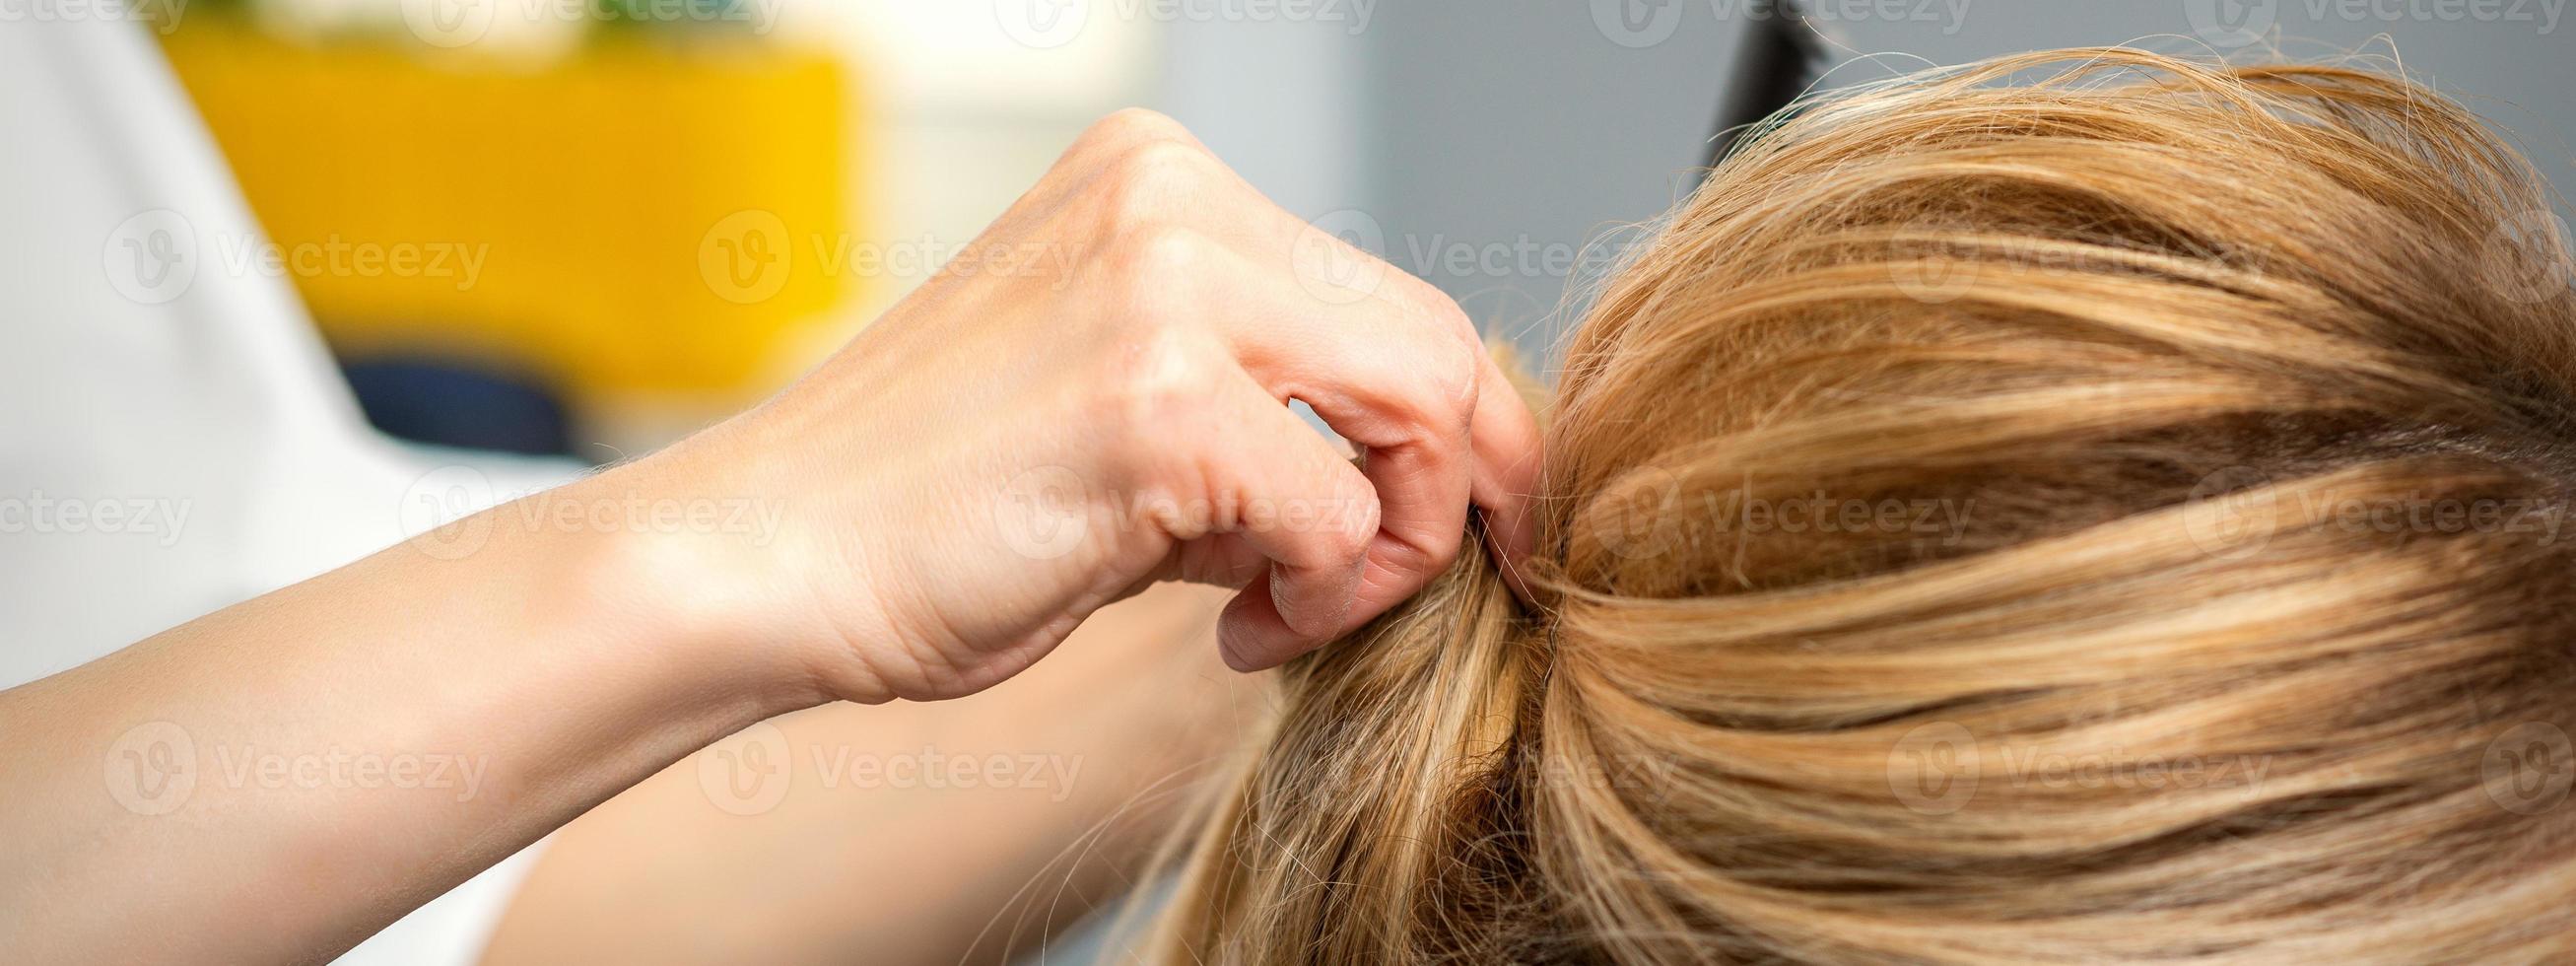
(1487, 140)
(2511, 60)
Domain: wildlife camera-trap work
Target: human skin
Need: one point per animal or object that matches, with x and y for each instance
(915, 560)
(864, 855)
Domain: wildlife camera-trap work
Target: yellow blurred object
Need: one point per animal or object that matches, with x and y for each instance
(654, 218)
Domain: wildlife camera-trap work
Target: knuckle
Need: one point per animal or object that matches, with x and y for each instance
(1150, 180)
(1451, 380)
(1130, 124)
(1442, 316)
(1153, 263)
(1464, 360)
(1108, 135)
(1453, 319)
(1430, 553)
(1408, 561)
(1158, 159)
(1351, 542)
(1157, 384)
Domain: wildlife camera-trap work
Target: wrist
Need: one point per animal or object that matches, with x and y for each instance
(683, 574)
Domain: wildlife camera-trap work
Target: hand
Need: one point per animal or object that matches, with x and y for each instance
(1093, 398)
(1007, 450)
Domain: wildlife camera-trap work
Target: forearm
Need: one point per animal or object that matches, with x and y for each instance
(865, 842)
(1003, 453)
(277, 780)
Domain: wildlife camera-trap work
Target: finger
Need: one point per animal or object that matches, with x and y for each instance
(1332, 319)
(1505, 445)
(1279, 487)
(1401, 388)
(1507, 450)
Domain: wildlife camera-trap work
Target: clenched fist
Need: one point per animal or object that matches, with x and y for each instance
(1094, 397)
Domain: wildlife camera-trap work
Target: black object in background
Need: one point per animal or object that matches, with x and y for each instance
(450, 404)
(1782, 53)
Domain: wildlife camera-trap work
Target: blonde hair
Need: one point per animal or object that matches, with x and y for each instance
(2101, 517)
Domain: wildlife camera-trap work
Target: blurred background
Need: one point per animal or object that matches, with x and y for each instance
(652, 212)
(579, 229)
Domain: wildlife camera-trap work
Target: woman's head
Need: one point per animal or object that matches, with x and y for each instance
(2102, 513)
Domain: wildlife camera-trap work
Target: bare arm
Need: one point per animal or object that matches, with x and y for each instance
(1018, 444)
(847, 847)
(277, 780)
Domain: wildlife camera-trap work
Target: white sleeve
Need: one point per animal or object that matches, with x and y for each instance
(147, 368)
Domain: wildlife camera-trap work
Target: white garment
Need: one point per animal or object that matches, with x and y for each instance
(173, 437)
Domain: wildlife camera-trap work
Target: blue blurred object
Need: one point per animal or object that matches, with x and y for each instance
(452, 404)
